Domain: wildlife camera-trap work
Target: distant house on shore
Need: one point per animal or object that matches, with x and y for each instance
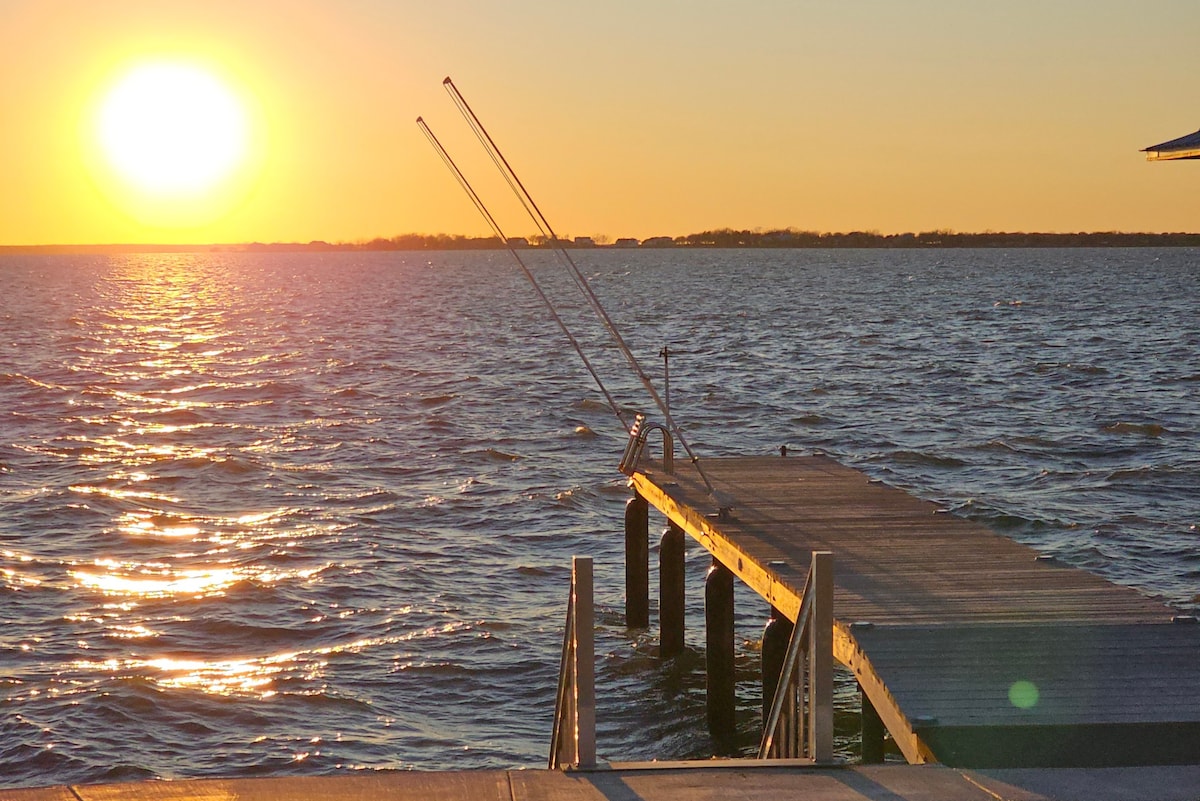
(626, 242)
(517, 242)
(1185, 147)
(585, 242)
(658, 242)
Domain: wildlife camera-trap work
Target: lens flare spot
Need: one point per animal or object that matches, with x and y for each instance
(1023, 694)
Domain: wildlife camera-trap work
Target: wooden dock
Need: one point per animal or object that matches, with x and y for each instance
(695, 782)
(972, 649)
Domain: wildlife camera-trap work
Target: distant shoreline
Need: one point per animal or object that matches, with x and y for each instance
(725, 238)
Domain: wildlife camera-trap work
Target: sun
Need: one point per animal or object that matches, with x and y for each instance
(172, 128)
(173, 142)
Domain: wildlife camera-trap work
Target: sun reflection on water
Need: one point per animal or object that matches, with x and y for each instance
(143, 524)
(191, 564)
(159, 580)
(224, 677)
(255, 675)
(162, 583)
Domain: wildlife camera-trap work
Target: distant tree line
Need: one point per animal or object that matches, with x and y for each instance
(779, 238)
(791, 238)
(402, 242)
(720, 238)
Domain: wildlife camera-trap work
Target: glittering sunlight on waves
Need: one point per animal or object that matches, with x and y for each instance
(308, 512)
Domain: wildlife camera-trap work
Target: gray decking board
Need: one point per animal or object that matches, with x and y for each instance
(1083, 674)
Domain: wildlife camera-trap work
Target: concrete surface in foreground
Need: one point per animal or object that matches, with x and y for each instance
(697, 782)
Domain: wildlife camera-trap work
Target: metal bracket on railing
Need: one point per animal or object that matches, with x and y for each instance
(637, 444)
(573, 743)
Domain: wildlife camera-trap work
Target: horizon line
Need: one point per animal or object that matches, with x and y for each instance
(780, 237)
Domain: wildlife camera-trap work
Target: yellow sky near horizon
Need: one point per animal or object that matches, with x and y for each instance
(624, 118)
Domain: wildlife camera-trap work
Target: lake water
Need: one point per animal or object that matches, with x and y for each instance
(301, 513)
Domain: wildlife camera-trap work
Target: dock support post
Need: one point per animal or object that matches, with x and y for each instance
(637, 563)
(872, 732)
(671, 594)
(776, 636)
(719, 655)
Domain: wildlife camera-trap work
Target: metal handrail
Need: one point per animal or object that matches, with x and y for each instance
(637, 444)
(794, 729)
(573, 741)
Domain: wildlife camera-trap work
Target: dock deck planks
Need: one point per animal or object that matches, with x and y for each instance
(939, 617)
(696, 782)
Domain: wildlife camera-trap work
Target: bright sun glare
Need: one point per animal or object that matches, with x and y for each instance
(172, 129)
(174, 140)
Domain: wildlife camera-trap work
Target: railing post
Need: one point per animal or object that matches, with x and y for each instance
(820, 688)
(793, 727)
(585, 663)
(574, 739)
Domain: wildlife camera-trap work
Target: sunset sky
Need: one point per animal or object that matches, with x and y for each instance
(623, 118)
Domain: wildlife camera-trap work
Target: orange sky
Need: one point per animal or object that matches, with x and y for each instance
(626, 118)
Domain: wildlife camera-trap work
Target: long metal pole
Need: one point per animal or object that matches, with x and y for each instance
(543, 224)
(495, 226)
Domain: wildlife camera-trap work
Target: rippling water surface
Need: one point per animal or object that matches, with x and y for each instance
(295, 513)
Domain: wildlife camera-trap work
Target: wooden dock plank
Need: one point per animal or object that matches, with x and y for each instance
(858, 784)
(697, 782)
(38, 794)
(459, 785)
(1162, 783)
(957, 613)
